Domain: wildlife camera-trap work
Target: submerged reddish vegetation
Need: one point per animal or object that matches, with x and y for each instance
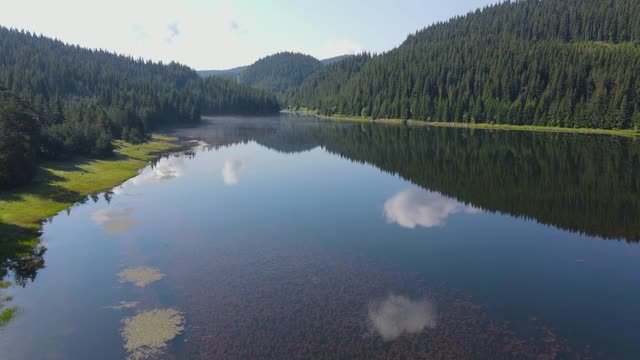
(291, 305)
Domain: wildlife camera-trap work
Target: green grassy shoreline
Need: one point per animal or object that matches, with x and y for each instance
(482, 126)
(57, 186)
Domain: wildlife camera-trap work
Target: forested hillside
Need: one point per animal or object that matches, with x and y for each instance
(280, 71)
(82, 99)
(571, 63)
(335, 59)
(229, 74)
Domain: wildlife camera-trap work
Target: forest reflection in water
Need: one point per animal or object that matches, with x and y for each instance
(294, 235)
(588, 184)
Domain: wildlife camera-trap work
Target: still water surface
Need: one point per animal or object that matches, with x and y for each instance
(293, 237)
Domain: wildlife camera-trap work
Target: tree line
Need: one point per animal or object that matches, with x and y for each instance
(583, 183)
(62, 100)
(569, 63)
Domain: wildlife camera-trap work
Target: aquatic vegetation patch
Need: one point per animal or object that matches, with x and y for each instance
(124, 305)
(140, 276)
(7, 314)
(147, 333)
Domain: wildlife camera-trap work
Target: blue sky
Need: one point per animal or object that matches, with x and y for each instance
(219, 34)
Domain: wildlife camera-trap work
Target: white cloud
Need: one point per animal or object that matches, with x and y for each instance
(230, 171)
(416, 207)
(202, 35)
(397, 315)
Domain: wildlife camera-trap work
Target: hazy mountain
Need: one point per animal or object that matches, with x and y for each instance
(280, 71)
(334, 59)
(231, 74)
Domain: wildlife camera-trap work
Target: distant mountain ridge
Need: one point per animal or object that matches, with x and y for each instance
(280, 71)
(334, 59)
(230, 74)
(275, 73)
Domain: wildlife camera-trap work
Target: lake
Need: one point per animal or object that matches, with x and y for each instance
(296, 237)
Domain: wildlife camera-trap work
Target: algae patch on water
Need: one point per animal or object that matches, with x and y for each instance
(140, 276)
(124, 305)
(147, 333)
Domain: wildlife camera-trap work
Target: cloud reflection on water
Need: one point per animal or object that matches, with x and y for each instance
(166, 168)
(417, 207)
(397, 315)
(230, 171)
(114, 222)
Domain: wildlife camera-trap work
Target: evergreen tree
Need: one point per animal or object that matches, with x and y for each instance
(573, 61)
(18, 139)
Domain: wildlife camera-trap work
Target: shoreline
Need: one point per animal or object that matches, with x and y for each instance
(58, 186)
(61, 184)
(634, 134)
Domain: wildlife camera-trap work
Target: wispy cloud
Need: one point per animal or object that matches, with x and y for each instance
(139, 34)
(398, 315)
(417, 207)
(173, 31)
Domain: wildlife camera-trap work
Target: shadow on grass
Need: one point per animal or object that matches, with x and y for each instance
(73, 165)
(44, 186)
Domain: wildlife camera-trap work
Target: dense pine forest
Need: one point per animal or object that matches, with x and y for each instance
(569, 63)
(280, 71)
(18, 134)
(229, 74)
(60, 100)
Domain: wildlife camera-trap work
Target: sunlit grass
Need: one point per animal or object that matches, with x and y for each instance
(59, 185)
(615, 132)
